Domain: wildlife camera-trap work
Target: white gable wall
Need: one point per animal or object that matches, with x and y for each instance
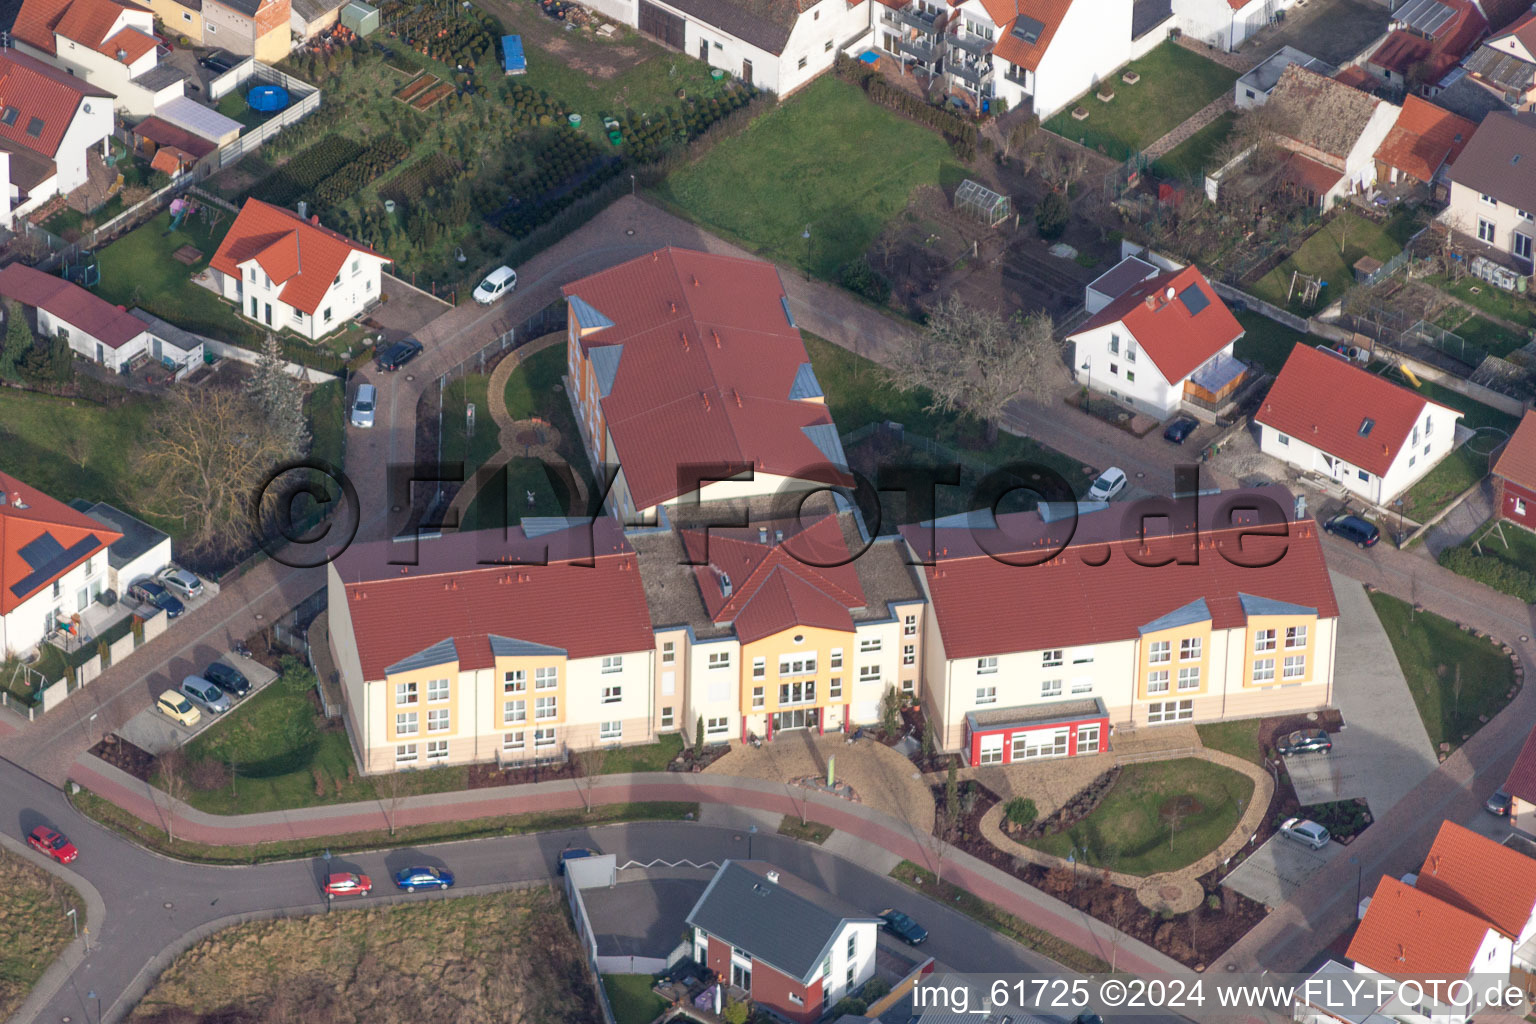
(1216, 23)
(1136, 382)
(1360, 164)
(1091, 42)
(259, 297)
(1435, 431)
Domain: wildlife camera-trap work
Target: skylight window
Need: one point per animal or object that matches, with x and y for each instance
(35, 127)
(1028, 29)
(9, 115)
(1365, 426)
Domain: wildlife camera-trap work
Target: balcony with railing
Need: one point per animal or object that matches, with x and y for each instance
(971, 43)
(924, 21)
(975, 74)
(1017, 75)
(921, 48)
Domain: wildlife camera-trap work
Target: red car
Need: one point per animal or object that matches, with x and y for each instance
(348, 884)
(52, 844)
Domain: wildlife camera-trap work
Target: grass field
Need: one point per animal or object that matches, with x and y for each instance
(1467, 464)
(1159, 816)
(809, 831)
(1438, 659)
(327, 410)
(1239, 738)
(631, 997)
(1330, 255)
(1509, 544)
(1479, 331)
(828, 161)
(33, 928)
(1265, 342)
(1175, 83)
(439, 960)
(1192, 159)
(1511, 306)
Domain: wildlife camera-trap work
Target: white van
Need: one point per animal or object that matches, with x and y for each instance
(362, 405)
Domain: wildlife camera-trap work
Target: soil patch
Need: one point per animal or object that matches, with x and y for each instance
(1070, 813)
(487, 776)
(119, 753)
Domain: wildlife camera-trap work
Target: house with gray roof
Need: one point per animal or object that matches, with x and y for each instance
(788, 945)
(1493, 188)
(1332, 132)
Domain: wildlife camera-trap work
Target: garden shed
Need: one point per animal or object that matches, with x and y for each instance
(981, 203)
(360, 18)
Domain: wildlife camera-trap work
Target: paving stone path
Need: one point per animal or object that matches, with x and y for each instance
(1193, 123)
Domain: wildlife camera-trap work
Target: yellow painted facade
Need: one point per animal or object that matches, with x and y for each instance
(177, 20)
(1193, 640)
(529, 694)
(813, 641)
(414, 698)
(1273, 639)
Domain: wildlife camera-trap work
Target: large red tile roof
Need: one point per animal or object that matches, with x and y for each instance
(1409, 933)
(1323, 399)
(1521, 783)
(1424, 138)
(577, 589)
(69, 302)
(1502, 14)
(85, 21)
(1029, 584)
(1482, 877)
(1015, 50)
(39, 90)
(708, 363)
(41, 539)
(1517, 462)
(1177, 341)
(1452, 41)
(1522, 28)
(299, 254)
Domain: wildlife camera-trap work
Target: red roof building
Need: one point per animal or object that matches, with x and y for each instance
(1521, 787)
(1018, 49)
(69, 304)
(98, 24)
(1514, 477)
(1326, 416)
(1425, 53)
(1409, 933)
(1485, 878)
(1424, 142)
(688, 367)
(38, 103)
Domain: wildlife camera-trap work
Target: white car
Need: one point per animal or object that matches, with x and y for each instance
(1309, 833)
(181, 581)
(497, 283)
(362, 405)
(1110, 483)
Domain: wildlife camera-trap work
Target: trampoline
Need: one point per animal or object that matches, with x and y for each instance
(267, 98)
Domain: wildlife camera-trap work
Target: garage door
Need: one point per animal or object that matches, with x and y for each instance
(662, 25)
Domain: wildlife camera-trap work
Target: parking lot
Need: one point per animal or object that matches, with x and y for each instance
(154, 732)
(1278, 868)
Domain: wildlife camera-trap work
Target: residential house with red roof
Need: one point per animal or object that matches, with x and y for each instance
(1048, 630)
(689, 377)
(1227, 24)
(1514, 475)
(1329, 418)
(1521, 787)
(53, 564)
(513, 646)
(109, 43)
(1505, 64)
(1157, 339)
(1331, 131)
(1493, 189)
(282, 270)
(1423, 144)
(1428, 40)
(50, 121)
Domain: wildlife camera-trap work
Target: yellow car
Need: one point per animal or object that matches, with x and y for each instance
(177, 708)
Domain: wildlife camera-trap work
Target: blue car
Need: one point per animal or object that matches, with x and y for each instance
(411, 879)
(903, 927)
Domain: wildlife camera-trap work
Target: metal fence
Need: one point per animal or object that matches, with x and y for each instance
(1436, 337)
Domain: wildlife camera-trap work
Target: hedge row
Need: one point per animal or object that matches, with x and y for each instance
(349, 180)
(1495, 572)
(960, 132)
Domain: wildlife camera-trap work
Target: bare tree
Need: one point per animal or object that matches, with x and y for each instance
(173, 781)
(392, 789)
(588, 765)
(973, 360)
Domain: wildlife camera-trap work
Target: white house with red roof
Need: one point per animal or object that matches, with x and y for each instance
(1047, 629)
(689, 376)
(1327, 417)
(1227, 24)
(53, 564)
(49, 122)
(517, 646)
(283, 271)
(109, 43)
(1157, 339)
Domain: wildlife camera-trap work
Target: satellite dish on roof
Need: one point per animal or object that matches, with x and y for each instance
(1170, 293)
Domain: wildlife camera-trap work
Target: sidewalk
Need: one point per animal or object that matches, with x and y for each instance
(869, 826)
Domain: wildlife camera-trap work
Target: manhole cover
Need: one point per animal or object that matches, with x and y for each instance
(410, 376)
(1524, 638)
(168, 906)
(629, 231)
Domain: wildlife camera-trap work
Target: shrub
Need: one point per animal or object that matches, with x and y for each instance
(208, 774)
(858, 276)
(1052, 214)
(1021, 811)
(1495, 572)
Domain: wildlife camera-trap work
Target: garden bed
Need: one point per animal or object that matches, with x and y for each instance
(1344, 819)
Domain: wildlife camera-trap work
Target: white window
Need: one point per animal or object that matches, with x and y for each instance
(437, 691)
(1159, 652)
(437, 720)
(514, 741)
(1082, 657)
(907, 685)
(1295, 637)
(546, 678)
(869, 673)
(986, 695)
(1295, 666)
(613, 694)
(1489, 200)
(869, 645)
(1050, 688)
(545, 707)
(406, 725)
(668, 652)
(1189, 678)
(514, 711)
(405, 753)
(211, 28)
(758, 698)
(610, 731)
(908, 654)
(1039, 743)
(437, 750)
(798, 692)
(1170, 711)
(1082, 684)
(1050, 659)
(1263, 640)
(1157, 681)
(666, 717)
(1189, 649)
(515, 682)
(1130, 353)
(1519, 506)
(716, 726)
(1114, 344)
(835, 659)
(1088, 739)
(357, 266)
(986, 666)
(759, 667)
(405, 693)
(543, 738)
(909, 625)
(613, 663)
(799, 664)
(1486, 231)
(835, 688)
(1285, 441)
(719, 659)
(991, 749)
(1263, 670)
(796, 997)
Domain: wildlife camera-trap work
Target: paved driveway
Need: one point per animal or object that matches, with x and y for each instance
(1278, 868)
(1333, 30)
(152, 731)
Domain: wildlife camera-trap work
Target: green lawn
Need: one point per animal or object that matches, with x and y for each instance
(327, 408)
(808, 831)
(647, 757)
(1239, 738)
(1466, 465)
(1159, 816)
(234, 106)
(1511, 306)
(1474, 414)
(1192, 159)
(631, 997)
(1437, 659)
(1330, 255)
(33, 928)
(1481, 332)
(1175, 83)
(1266, 343)
(1453, 474)
(1507, 543)
(812, 164)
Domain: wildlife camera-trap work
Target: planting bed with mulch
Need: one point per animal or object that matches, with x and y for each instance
(1273, 729)
(415, 87)
(119, 753)
(1082, 804)
(692, 759)
(428, 99)
(1344, 819)
(487, 776)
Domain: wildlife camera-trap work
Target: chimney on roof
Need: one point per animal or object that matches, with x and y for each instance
(684, 337)
(314, 219)
(736, 395)
(122, 55)
(705, 396)
(695, 280)
(1151, 301)
(673, 305)
(16, 500)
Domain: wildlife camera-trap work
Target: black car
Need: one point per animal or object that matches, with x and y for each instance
(218, 63)
(903, 927)
(150, 592)
(227, 679)
(400, 353)
(1180, 429)
(1304, 741)
(1354, 529)
(1498, 803)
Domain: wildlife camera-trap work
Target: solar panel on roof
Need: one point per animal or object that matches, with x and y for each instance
(1028, 29)
(41, 551)
(1425, 16)
(1194, 300)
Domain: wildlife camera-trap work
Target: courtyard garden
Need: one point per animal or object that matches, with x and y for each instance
(1457, 681)
(631, 997)
(1175, 82)
(1193, 158)
(1265, 343)
(1329, 255)
(1464, 466)
(1501, 555)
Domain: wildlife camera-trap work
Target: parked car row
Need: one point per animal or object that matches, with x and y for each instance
(215, 691)
(350, 883)
(167, 589)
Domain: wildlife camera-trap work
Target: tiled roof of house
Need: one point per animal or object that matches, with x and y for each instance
(70, 303)
(1521, 783)
(1322, 113)
(45, 99)
(1028, 584)
(1522, 28)
(576, 589)
(1501, 159)
(1331, 404)
(1409, 933)
(1025, 28)
(1503, 14)
(1451, 41)
(1517, 462)
(1482, 877)
(1356, 77)
(41, 539)
(765, 24)
(299, 254)
(1424, 138)
(711, 358)
(1178, 334)
(85, 21)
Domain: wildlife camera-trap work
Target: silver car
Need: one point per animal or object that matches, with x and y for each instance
(181, 581)
(362, 405)
(205, 695)
(1309, 833)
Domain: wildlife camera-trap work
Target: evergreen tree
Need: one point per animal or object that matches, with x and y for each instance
(280, 397)
(18, 341)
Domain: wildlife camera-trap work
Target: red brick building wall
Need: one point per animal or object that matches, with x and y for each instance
(1512, 497)
(770, 987)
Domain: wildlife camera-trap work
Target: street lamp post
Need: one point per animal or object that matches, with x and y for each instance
(1354, 859)
(806, 234)
(1088, 392)
(1072, 859)
(752, 831)
(74, 920)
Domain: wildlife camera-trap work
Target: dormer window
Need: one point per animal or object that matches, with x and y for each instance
(35, 127)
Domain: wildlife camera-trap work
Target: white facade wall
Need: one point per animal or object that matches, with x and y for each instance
(865, 936)
(89, 346)
(1491, 962)
(89, 127)
(257, 295)
(148, 564)
(714, 696)
(27, 624)
(1092, 41)
(111, 74)
(1435, 434)
(1112, 374)
(1360, 164)
(1215, 21)
(1493, 220)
